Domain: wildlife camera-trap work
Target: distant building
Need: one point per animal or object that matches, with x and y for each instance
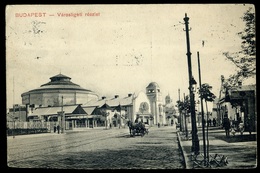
(83, 108)
(154, 95)
(120, 110)
(170, 111)
(17, 113)
(60, 90)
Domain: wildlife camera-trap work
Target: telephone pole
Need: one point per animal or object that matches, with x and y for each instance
(195, 140)
(62, 117)
(202, 111)
(185, 117)
(180, 113)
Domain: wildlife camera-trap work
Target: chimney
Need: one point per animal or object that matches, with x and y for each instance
(129, 95)
(103, 97)
(116, 96)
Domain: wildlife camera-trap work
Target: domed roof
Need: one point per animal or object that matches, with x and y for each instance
(60, 82)
(153, 85)
(168, 97)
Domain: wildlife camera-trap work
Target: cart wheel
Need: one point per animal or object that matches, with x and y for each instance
(134, 131)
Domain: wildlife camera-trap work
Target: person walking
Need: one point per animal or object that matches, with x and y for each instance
(249, 124)
(226, 125)
(209, 122)
(54, 130)
(58, 128)
(214, 122)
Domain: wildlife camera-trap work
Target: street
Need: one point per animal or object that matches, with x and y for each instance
(96, 149)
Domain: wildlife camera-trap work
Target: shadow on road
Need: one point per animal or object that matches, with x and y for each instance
(238, 138)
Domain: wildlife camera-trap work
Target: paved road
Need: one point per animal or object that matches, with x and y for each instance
(96, 149)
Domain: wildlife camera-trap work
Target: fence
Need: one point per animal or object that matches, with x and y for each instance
(20, 128)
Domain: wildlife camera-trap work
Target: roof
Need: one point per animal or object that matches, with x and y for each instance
(89, 110)
(60, 87)
(111, 102)
(168, 97)
(118, 107)
(59, 76)
(59, 82)
(234, 93)
(70, 109)
(244, 88)
(153, 85)
(105, 106)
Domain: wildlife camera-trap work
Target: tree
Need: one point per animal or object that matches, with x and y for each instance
(245, 59)
(105, 114)
(184, 106)
(205, 93)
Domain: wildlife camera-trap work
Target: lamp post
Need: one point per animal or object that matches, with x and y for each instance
(195, 141)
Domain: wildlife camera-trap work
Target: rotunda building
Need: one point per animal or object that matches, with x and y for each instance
(59, 91)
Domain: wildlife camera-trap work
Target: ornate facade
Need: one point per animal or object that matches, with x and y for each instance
(154, 95)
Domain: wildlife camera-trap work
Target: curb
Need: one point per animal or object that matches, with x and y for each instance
(184, 154)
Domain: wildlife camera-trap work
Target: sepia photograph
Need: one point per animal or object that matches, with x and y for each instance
(131, 86)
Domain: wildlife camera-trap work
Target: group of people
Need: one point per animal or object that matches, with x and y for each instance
(213, 121)
(56, 128)
(237, 126)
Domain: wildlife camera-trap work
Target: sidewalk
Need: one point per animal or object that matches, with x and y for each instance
(240, 151)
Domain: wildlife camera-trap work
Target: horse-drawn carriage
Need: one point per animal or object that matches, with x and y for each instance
(137, 129)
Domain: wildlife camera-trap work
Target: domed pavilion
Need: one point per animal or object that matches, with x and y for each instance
(58, 91)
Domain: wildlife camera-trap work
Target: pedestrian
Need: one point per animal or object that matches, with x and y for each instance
(54, 130)
(58, 128)
(214, 122)
(241, 127)
(209, 122)
(226, 125)
(249, 125)
(158, 125)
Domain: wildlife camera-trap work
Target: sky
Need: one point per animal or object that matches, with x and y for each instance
(121, 48)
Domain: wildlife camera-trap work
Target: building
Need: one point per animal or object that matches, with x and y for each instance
(117, 111)
(59, 91)
(17, 113)
(238, 104)
(154, 95)
(169, 111)
(83, 108)
(106, 111)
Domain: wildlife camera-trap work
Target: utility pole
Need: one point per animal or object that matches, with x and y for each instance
(195, 140)
(63, 117)
(13, 111)
(185, 117)
(180, 113)
(202, 111)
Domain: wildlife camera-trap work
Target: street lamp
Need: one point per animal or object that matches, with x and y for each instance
(195, 141)
(193, 85)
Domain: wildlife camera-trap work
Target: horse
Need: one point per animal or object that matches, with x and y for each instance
(137, 128)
